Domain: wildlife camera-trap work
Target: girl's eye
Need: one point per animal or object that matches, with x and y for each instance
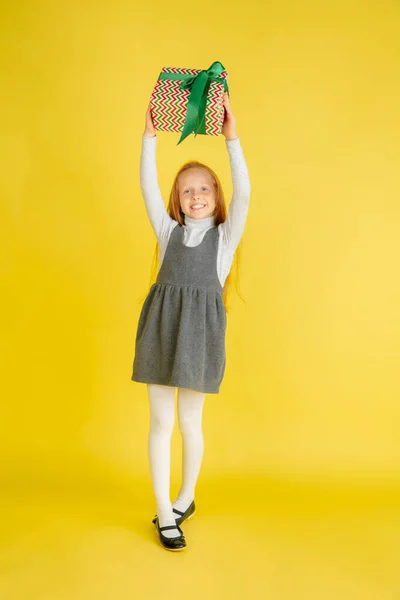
(204, 188)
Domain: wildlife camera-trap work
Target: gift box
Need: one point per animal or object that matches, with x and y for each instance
(190, 100)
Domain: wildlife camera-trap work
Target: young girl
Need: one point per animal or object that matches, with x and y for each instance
(180, 340)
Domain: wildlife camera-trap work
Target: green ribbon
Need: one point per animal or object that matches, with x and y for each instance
(198, 85)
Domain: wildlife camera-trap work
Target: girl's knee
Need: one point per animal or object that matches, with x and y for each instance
(161, 425)
(190, 425)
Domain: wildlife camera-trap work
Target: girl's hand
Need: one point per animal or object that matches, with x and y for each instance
(229, 126)
(149, 130)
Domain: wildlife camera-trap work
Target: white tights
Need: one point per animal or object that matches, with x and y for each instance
(162, 417)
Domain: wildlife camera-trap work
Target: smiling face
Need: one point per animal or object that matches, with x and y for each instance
(196, 193)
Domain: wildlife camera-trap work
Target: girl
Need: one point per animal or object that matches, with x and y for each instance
(180, 340)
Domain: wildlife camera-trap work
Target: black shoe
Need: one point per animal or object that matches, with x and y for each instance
(184, 516)
(175, 543)
(188, 514)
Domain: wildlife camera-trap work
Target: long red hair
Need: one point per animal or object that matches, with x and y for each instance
(220, 214)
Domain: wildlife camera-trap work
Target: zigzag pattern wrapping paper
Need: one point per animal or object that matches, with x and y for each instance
(168, 103)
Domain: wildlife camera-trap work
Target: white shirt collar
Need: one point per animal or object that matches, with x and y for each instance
(203, 223)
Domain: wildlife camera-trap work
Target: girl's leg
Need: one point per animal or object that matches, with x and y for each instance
(162, 416)
(190, 411)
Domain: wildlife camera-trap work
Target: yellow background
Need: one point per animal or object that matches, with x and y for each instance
(298, 496)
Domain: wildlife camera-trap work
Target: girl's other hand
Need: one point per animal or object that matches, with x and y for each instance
(229, 125)
(149, 130)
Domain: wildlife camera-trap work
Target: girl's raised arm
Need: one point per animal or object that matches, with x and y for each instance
(237, 212)
(155, 208)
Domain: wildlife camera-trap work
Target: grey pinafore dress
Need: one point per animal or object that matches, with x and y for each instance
(180, 339)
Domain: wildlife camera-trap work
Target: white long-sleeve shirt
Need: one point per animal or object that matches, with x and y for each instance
(230, 231)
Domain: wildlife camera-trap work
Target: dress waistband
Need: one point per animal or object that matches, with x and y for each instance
(212, 288)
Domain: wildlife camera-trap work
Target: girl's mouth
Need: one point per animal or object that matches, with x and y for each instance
(197, 206)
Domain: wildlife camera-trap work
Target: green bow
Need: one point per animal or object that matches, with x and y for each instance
(199, 85)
